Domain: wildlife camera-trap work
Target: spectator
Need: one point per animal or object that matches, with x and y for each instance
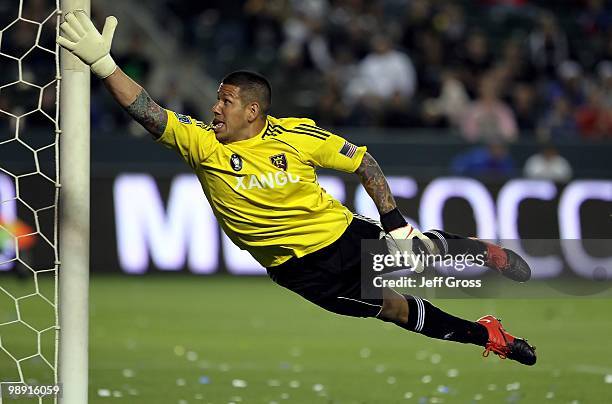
(596, 19)
(386, 71)
(332, 111)
(134, 62)
(604, 72)
(525, 108)
(474, 60)
(19, 38)
(503, 9)
(172, 100)
(352, 27)
(571, 84)
(313, 48)
(548, 45)
(39, 10)
(548, 164)
(417, 21)
(606, 53)
(399, 113)
(36, 10)
(431, 64)
(516, 63)
(489, 118)
(491, 161)
(559, 123)
(264, 27)
(306, 34)
(450, 23)
(451, 103)
(385, 74)
(8, 124)
(594, 120)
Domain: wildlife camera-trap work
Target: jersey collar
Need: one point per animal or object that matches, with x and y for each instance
(253, 139)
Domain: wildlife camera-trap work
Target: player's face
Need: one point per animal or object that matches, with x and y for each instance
(230, 119)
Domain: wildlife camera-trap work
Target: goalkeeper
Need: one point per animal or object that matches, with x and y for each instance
(258, 173)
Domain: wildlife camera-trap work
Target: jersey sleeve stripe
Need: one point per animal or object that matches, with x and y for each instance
(271, 130)
(314, 129)
(308, 134)
(302, 133)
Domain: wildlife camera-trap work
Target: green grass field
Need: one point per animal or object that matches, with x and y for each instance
(245, 340)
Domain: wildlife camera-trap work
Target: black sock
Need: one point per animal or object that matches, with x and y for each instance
(426, 319)
(458, 245)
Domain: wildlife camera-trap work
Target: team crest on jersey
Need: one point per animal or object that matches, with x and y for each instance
(236, 162)
(183, 118)
(279, 161)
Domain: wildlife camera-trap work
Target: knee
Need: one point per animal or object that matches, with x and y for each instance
(394, 310)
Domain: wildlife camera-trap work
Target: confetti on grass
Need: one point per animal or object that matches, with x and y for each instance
(104, 393)
(238, 383)
(452, 373)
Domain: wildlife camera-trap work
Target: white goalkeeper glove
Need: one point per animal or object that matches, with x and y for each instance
(400, 237)
(83, 40)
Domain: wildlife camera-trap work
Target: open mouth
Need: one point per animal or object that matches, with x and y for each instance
(217, 124)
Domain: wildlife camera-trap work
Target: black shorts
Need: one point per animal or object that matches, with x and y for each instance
(331, 277)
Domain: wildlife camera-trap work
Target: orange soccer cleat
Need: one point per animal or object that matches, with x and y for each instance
(506, 345)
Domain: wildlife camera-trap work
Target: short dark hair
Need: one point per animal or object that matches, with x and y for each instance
(253, 87)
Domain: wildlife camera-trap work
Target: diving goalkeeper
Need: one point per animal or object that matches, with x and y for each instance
(259, 176)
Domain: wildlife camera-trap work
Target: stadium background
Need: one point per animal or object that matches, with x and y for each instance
(437, 89)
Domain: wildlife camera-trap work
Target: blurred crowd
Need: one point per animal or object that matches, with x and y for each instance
(27, 66)
(488, 69)
(491, 69)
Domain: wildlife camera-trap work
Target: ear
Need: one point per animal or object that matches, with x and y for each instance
(253, 112)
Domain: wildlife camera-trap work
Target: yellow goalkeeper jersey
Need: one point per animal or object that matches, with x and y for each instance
(264, 190)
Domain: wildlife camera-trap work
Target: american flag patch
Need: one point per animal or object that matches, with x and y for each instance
(348, 149)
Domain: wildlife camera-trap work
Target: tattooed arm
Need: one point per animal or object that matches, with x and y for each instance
(137, 102)
(375, 184)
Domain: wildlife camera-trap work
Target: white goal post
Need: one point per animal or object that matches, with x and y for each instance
(74, 223)
(44, 285)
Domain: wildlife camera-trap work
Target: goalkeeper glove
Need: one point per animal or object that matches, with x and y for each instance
(83, 40)
(403, 238)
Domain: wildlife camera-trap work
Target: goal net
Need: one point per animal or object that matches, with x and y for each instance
(29, 191)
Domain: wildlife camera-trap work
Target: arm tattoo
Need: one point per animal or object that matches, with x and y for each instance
(375, 184)
(147, 113)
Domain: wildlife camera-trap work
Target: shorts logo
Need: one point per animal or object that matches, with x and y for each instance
(236, 162)
(279, 161)
(183, 118)
(348, 149)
